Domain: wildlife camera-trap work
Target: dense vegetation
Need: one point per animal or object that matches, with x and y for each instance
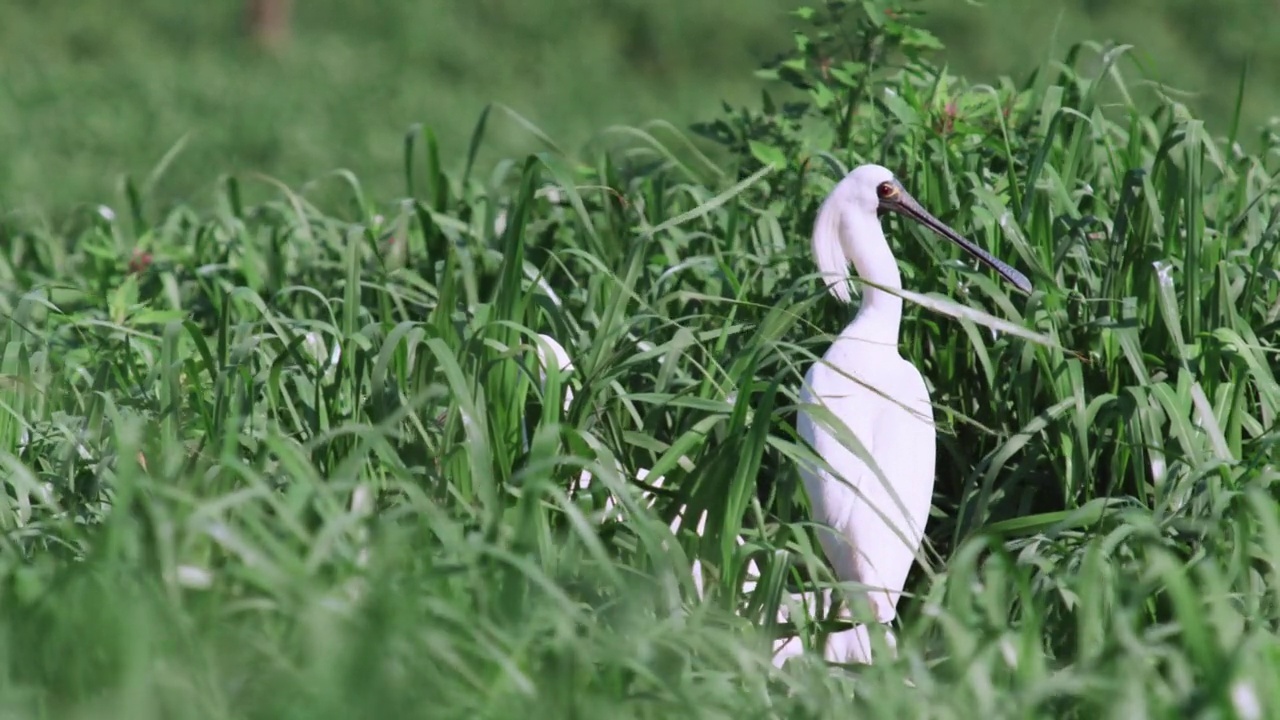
(291, 457)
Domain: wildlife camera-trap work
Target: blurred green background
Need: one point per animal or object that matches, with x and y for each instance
(92, 89)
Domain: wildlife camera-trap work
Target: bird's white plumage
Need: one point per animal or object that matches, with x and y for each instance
(873, 525)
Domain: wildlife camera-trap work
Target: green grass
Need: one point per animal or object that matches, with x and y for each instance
(89, 93)
(1196, 54)
(193, 399)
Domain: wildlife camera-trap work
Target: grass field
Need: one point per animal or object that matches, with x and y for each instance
(286, 454)
(89, 93)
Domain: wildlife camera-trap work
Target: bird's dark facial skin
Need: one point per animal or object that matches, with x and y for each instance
(890, 194)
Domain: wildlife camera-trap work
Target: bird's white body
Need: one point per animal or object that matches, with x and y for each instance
(872, 524)
(886, 406)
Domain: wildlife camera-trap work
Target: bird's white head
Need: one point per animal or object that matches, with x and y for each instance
(847, 230)
(858, 188)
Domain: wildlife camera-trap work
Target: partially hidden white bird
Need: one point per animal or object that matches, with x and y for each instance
(870, 529)
(565, 364)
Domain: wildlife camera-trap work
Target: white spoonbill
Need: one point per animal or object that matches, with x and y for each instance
(565, 364)
(871, 528)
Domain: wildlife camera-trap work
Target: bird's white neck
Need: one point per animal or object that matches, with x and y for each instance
(879, 319)
(841, 238)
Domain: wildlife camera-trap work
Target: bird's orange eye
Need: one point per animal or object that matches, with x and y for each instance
(886, 190)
